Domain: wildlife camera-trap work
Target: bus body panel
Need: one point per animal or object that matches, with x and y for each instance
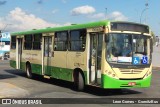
(13, 58)
(112, 83)
(128, 73)
(13, 63)
(34, 58)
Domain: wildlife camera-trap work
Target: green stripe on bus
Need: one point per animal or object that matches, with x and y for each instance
(23, 66)
(36, 68)
(108, 82)
(13, 63)
(54, 72)
(62, 73)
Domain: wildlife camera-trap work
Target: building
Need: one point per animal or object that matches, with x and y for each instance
(4, 44)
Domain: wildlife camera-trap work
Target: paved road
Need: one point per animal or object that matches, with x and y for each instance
(19, 86)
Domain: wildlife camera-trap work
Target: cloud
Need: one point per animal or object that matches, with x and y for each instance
(90, 12)
(21, 21)
(3, 2)
(97, 16)
(83, 10)
(116, 15)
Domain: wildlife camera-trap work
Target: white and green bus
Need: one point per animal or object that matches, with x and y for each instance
(105, 54)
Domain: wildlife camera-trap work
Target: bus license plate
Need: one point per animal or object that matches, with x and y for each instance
(132, 83)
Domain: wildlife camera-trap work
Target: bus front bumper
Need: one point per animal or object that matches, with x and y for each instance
(111, 83)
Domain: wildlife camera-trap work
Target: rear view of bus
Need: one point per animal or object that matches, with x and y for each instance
(127, 62)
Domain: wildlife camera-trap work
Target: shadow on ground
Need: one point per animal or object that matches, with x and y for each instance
(6, 76)
(88, 89)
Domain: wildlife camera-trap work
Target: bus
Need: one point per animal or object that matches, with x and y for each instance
(87, 54)
(4, 45)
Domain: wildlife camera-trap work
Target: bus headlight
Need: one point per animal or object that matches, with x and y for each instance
(111, 74)
(148, 74)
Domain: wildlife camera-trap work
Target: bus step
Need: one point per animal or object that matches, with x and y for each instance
(95, 84)
(47, 77)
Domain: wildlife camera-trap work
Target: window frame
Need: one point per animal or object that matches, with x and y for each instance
(39, 42)
(13, 43)
(64, 42)
(83, 41)
(26, 42)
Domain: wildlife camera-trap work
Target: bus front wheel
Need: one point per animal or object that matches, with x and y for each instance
(28, 71)
(79, 81)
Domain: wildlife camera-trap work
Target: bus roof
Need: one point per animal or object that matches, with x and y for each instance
(71, 27)
(63, 28)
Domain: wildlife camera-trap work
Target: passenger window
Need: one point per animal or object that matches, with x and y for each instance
(78, 40)
(37, 40)
(28, 42)
(13, 42)
(60, 41)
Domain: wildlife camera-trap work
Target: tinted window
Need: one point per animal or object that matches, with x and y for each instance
(60, 41)
(78, 40)
(13, 42)
(37, 39)
(28, 42)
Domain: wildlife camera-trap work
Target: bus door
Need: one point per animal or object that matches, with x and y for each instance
(47, 55)
(18, 53)
(95, 58)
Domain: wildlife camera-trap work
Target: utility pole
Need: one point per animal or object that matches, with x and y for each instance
(146, 6)
(146, 15)
(106, 12)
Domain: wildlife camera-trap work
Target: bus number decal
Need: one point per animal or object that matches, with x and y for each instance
(97, 29)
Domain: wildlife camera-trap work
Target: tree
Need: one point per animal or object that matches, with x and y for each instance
(153, 37)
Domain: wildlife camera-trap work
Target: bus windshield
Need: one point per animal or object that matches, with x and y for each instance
(132, 49)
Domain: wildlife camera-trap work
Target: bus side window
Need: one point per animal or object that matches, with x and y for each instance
(13, 42)
(60, 41)
(78, 40)
(28, 42)
(55, 42)
(37, 41)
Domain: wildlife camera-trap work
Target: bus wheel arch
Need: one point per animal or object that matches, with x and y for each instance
(79, 79)
(28, 70)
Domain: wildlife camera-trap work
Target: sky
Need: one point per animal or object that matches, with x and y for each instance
(20, 15)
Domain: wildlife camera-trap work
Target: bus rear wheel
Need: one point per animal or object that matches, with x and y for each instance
(29, 71)
(79, 81)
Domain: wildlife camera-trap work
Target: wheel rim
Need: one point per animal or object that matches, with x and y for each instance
(27, 72)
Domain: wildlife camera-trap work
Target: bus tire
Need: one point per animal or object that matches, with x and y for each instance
(79, 81)
(29, 71)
